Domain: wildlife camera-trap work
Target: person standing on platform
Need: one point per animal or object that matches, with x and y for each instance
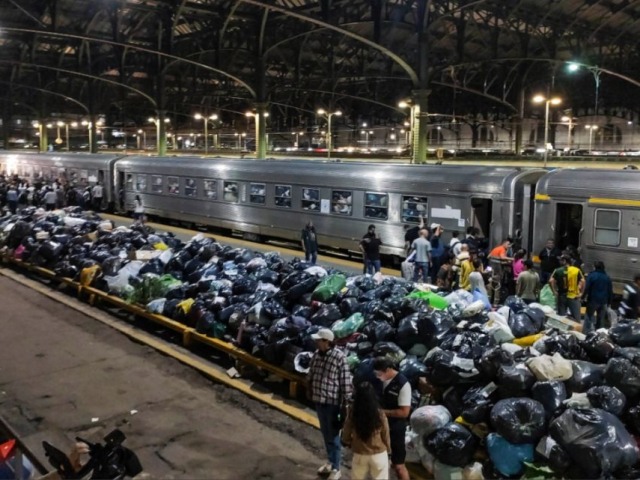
(366, 432)
(422, 247)
(96, 194)
(138, 210)
(528, 284)
(598, 292)
(396, 405)
(329, 387)
(549, 260)
(567, 283)
(309, 243)
(455, 245)
(410, 234)
(12, 198)
(50, 199)
(370, 248)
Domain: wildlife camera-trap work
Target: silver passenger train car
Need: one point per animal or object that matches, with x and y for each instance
(595, 210)
(277, 198)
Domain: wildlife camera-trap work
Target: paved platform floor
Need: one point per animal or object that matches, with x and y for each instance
(63, 374)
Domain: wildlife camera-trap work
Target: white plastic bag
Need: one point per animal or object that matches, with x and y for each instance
(547, 367)
(428, 419)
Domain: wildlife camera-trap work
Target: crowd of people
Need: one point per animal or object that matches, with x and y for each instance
(17, 193)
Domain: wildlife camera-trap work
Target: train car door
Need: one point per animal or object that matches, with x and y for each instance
(568, 225)
(481, 216)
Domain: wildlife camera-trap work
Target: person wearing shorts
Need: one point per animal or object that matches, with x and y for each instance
(396, 405)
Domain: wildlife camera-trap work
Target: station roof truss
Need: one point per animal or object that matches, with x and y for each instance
(133, 58)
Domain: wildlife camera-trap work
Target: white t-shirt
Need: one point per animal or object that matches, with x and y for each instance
(404, 395)
(456, 246)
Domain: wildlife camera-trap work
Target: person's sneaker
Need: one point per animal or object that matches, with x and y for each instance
(334, 475)
(324, 469)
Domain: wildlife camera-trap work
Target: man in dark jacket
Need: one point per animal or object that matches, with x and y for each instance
(310, 243)
(598, 292)
(549, 261)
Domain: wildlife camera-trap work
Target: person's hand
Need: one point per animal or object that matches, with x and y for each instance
(79, 449)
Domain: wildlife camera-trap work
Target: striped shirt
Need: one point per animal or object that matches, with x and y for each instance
(329, 377)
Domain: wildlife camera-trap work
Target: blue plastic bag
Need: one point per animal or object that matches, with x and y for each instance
(478, 295)
(507, 457)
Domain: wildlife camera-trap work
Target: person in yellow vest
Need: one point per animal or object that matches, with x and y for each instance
(567, 283)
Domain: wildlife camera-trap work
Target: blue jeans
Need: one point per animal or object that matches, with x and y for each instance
(572, 305)
(372, 266)
(328, 417)
(595, 317)
(421, 267)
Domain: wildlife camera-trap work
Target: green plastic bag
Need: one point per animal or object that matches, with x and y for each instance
(434, 300)
(353, 361)
(345, 328)
(547, 297)
(329, 287)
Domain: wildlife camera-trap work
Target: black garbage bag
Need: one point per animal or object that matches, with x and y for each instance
(434, 325)
(630, 353)
(111, 265)
(519, 420)
(364, 347)
(192, 265)
(467, 344)
(595, 440)
(298, 291)
(352, 291)
(408, 334)
(365, 283)
(20, 230)
(599, 347)
(178, 261)
(551, 394)
(379, 293)
(389, 350)
(491, 360)
(477, 403)
(522, 325)
(516, 304)
(276, 353)
(379, 331)
(326, 315)
(244, 285)
(50, 251)
(205, 323)
(452, 445)
(515, 381)
(154, 266)
(377, 310)
(623, 374)
(293, 279)
(585, 375)
(267, 276)
(412, 369)
(631, 419)
(607, 398)
(62, 238)
(65, 269)
(445, 368)
(364, 372)
(626, 334)
(548, 451)
(565, 344)
(170, 307)
(349, 306)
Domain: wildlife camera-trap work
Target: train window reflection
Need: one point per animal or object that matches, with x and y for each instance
(173, 185)
(141, 183)
(156, 184)
(341, 202)
(310, 199)
(129, 181)
(413, 208)
(231, 191)
(607, 227)
(190, 187)
(283, 196)
(376, 205)
(257, 193)
(211, 189)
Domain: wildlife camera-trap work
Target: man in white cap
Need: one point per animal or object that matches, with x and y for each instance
(329, 386)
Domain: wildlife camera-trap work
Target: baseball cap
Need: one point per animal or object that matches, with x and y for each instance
(434, 225)
(323, 334)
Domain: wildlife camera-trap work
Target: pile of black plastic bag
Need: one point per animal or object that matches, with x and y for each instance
(509, 397)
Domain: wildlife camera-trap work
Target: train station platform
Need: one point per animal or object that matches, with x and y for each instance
(63, 374)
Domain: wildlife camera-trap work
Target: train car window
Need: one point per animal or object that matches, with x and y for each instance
(129, 181)
(341, 202)
(257, 193)
(141, 183)
(173, 185)
(413, 208)
(607, 227)
(231, 192)
(376, 205)
(283, 196)
(211, 189)
(156, 183)
(310, 199)
(190, 187)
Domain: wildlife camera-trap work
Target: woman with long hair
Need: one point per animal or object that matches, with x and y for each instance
(138, 210)
(366, 432)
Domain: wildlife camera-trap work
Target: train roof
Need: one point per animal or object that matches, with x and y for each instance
(78, 160)
(591, 182)
(393, 177)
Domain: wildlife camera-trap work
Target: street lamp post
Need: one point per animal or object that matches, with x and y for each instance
(205, 120)
(297, 134)
(569, 121)
(144, 139)
(591, 128)
(328, 116)
(547, 102)
(595, 71)
(159, 131)
(366, 134)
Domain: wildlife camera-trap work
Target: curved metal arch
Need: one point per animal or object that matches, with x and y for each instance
(26, 105)
(603, 23)
(476, 92)
(343, 95)
(405, 66)
(46, 91)
(132, 47)
(85, 75)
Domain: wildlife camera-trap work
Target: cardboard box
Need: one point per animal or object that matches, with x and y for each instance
(562, 323)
